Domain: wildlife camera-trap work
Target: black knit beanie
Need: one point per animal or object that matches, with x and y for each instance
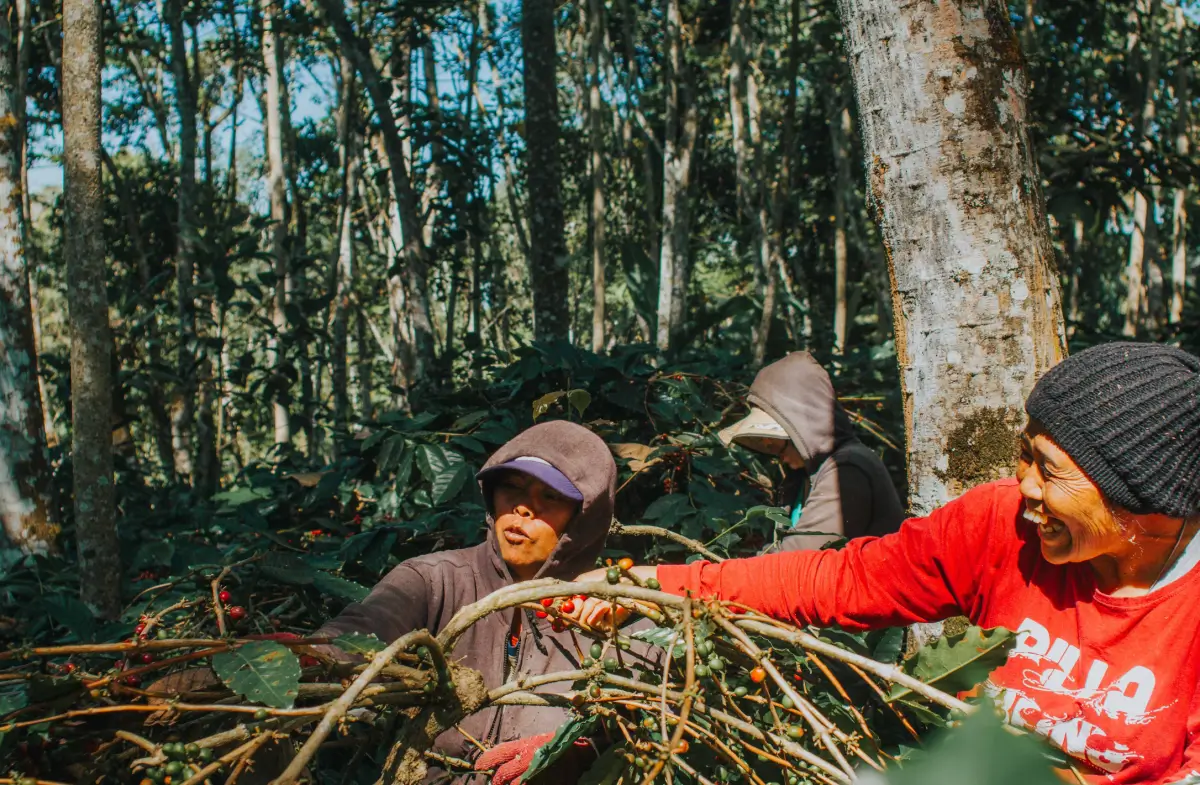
(1129, 415)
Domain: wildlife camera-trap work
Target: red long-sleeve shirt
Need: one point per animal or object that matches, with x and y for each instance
(1113, 681)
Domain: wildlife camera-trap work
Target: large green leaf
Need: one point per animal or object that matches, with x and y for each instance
(958, 662)
(262, 672)
(11, 699)
(445, 470)
(359, 643)
(288, 568)
(564, 739)
(542, 405)
(339, 587)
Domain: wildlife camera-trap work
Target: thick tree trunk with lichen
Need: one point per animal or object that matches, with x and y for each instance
(87, 299)
(24, 497)
(955, 185)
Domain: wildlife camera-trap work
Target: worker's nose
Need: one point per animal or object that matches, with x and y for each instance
(524, 511)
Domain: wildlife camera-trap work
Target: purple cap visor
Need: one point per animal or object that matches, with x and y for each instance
(538, 469)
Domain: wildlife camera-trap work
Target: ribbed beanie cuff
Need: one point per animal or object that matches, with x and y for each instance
(1129, 415)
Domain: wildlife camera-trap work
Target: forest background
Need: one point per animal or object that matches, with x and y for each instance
(315, 260)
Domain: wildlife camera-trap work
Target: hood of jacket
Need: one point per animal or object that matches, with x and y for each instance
(587, 462)
(798, 393)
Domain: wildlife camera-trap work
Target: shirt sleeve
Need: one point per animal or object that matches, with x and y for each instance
(397, 605)
(1189, 770)
(839, 505)
(930, 570)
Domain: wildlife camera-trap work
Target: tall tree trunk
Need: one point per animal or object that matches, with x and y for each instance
(183, 407)
(772, 241)
(957, 193)
(408, 221)
(840, 128)
(365, 410)
(596, 138)
(24, 470)
(548, 252)
(277, 190)
(679, 145)
(1179, 215)
(87, 298)
(1136, 307)
(344, 267)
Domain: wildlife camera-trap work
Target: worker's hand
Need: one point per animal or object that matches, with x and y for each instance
(511, 759)
(596, 612)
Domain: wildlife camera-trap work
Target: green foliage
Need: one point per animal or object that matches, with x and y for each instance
(261, 672)
(956, 663)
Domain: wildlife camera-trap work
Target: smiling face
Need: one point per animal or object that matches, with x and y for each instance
(1075, 522)
(530, 518)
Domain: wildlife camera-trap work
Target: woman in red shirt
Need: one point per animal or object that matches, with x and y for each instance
(1089, 555)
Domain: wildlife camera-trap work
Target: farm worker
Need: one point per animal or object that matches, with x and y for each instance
(795, 416)
(549, 494)
(1090, 556)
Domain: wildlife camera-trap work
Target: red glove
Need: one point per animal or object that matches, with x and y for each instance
(511, 759)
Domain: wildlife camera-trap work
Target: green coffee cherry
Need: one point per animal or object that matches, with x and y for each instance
(716, 663)
(588, 662)
(206, 755)
(191, 750)
(786, 702)
(652, 583)
(261, 714)
(611, 664)
(740, 691)
(613, 575)
(702, 671)
(173, 769)
(795, 732)
(596, 650)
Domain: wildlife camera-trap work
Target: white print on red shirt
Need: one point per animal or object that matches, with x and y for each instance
(1030, 696)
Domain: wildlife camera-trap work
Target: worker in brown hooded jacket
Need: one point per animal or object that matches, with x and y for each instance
(795, 416)
(549, 494)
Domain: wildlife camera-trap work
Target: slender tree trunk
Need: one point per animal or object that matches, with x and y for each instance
(548, 253)
(366, 410)
(596, 138)
(1136, 305)
(408, 221)
(1179, 215)
(345, 257)
(681, 122)
(91, 340)
(277, 190)
(24, 470)
(183, 407)
(956, 190)
(778, 195)
(839, 130)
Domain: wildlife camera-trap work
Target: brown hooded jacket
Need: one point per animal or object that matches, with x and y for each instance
(426, 591)
(850, 492)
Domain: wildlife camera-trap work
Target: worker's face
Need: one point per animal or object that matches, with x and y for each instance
(783, 449)
(530, 517)
(1074, 521)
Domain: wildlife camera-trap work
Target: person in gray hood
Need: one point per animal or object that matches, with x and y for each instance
(549, 493)
(795, 416)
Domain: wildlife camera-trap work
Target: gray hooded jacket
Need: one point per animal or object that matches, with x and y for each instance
(850, 492)
(426, 591)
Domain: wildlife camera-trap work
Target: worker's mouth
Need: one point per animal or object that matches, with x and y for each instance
(515, 536)
(1048, 528)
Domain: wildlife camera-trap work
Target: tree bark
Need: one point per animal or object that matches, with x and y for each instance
(840, 129)
(1136, 307)
(345, 257)
(183, 407)
(277, 190)
(956, 190)
(91, 340)
(1179, 215)
(596, 138)
(407, 226)
(24, 469)
(548, 252)
(678, 148)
